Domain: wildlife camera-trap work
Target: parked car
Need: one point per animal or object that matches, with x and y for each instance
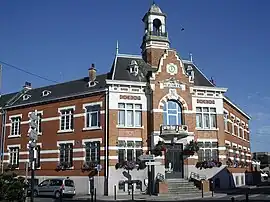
(54, 187)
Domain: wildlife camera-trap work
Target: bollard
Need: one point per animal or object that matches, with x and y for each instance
(132, 192)
(95, 195)
(212, 186)
(202, 188)
(246, 197)
(115, 192)
(232, 199)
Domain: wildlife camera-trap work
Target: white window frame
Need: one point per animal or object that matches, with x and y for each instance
(12, 127)
(134, 111)
(178, 112)
(17, 154)
(209, 148)
(226, 121)
(71, 118)
(97, 152)
(209, 113)
(126, 148)
(86, 113)
(59, 143)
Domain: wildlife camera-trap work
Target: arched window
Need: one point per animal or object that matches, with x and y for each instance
(172, 113)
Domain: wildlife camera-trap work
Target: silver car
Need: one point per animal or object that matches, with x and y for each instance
(54, 187)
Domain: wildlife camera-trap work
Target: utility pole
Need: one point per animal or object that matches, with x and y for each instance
(33, 136)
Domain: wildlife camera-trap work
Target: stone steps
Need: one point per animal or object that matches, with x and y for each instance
(181, 186)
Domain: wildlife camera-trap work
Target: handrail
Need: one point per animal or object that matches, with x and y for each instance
(197, 176)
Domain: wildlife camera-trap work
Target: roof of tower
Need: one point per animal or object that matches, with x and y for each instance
(154, 9)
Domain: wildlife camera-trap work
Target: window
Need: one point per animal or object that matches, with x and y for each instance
(238, 130)
(233, 131)
(92, 152)
(206, 117)
(66, 119)
(226, 121)
(92, 116)
(14, 156)
(130, 115)
(208, 151)
(15, 125)
(66, 154)
(172, 113)
(129, 150)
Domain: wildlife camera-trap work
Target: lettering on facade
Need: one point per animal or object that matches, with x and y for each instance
(205, 101)
(130, 97)
(172, 83)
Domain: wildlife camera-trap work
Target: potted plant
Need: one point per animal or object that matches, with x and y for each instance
(208, 164)
(130, 165)
(159, 148)
(191, 148)
(229, 162)
(87, 166)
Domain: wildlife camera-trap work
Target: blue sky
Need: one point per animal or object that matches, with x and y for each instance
(60, 39)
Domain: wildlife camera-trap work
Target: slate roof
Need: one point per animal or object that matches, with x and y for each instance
(121, 67)
(121, 70)
(57, 91)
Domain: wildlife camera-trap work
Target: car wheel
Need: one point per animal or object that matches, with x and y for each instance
(35, 193)
(57, 194)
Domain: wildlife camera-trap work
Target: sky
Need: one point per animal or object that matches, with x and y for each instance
(60, 39)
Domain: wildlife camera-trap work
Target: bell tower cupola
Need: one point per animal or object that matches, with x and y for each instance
(155, 33)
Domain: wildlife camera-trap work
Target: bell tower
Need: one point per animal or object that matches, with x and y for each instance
(155, 39)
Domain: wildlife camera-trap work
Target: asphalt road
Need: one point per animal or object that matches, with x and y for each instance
(238, 198)
(255, 194)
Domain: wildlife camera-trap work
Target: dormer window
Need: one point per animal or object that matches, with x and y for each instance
(134, 68)
(26, 97)
(45, 93)
(92, 83)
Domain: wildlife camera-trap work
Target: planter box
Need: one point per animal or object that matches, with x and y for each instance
(163, 188)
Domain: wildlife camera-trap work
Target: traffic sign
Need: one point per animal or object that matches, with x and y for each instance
(99, 167)
(147, 157)
(33, 116)
(33, 135)
(154, 163)
(33, 124)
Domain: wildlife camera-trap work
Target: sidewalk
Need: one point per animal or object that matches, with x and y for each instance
(153, 198)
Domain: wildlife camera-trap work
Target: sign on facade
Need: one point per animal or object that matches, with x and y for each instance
(205, 101)
(130, 97)
(147, 157)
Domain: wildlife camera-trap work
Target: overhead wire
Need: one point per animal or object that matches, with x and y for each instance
(27, 72)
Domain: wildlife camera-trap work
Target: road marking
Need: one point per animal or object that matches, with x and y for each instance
(254, 195)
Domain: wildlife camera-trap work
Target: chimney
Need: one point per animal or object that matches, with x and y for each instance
(92, 73)
(27, 86)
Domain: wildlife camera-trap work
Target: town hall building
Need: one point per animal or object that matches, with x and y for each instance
(114, 118)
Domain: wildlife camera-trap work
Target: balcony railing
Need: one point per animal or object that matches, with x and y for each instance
(163, 34)
(175, 130)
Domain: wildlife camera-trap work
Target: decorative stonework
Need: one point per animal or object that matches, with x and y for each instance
(173, 95)
(172, 83)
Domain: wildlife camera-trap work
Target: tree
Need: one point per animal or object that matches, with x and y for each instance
(11, 188)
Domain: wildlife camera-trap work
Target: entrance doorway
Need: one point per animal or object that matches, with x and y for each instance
(174, 165)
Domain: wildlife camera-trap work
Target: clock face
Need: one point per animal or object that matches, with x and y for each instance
(172, 69)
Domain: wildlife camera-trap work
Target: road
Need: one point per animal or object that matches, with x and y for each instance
(255, 194)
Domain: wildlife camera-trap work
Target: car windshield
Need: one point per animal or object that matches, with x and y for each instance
(69, 183)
